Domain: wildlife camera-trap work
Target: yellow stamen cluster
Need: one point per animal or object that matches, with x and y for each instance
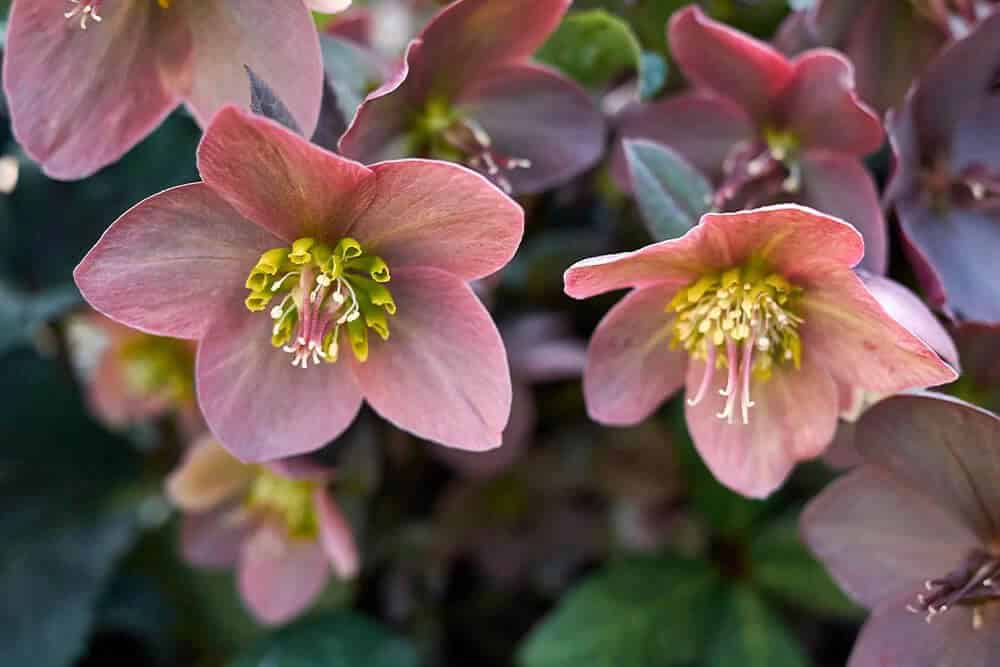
(740, 305)
(322, 290)
(288, 501)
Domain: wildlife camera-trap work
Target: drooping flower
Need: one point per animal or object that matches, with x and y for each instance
(760, 314)
(311, 282)
(889, 42)
(946, 187)
(88, 79)
(766, 129)
(130, 376)
(468, 92)
(278, 526)
(914, 533)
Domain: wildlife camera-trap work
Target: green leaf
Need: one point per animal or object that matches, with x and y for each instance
(672, 195)
(21, 313)
(750, 635)
(784, 567)
(332, 640)
(640, 613)
(592, 47)
(62, 536)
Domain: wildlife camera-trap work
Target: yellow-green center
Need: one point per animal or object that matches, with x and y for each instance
(155, 366)
(323, 291)
(285, 500)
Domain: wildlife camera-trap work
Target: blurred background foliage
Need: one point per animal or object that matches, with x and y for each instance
(616, 547)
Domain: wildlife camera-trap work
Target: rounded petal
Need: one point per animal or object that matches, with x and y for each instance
(942, 447)
(701, 126)
(335, 536)
(860, 344)
(279, 180)
(959, 245)
(906, 308)
(213, 539)
(821, 106)
(257, 404)
(172, 261)
(277, 39)
(207, 476)
(840, 186)
(728, 62)
(894, 637)
(441, 215)
(880, 539)
(533, 113)
(280, 577)
(793, 419)
(442, 374)
(80, 99)
(630, 368)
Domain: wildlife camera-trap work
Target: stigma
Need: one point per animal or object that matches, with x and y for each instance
(742, 320)
(321, 292)
(83, 11)
(974, 583)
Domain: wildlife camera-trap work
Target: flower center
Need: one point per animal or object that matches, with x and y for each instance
(288, 501)
(758, 172)
(975, 583)
(441, 132)
(977, 186)
(323, 291)
(86, 10)
(156, 366)
(743, 320)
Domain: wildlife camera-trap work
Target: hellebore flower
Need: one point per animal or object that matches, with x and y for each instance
(468, 92)
(131, 376)
(946, 187)
(766, 129)
(540, 349)
(761, 307)
(87, 79)
(282, 531)
(914, 533)
(311, 282)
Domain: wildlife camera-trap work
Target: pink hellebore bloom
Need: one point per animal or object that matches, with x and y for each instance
(763, 308)
(283, 532)
(914, 533)
(311, 282)
(87, 79)
(468, 92)
(766, 129)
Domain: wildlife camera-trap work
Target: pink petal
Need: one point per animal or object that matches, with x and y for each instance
(277, 39)
(335, 536)
(468, 38)
(631, 369)
(279, 180)
(674, 263)
(328, 6)
(257, 404)
(443, 373)
(549, 361)
(280, 577)
(893, 637)
(821, 106)
(531, 112)
(429, 213)
(80, 99)
(701, 126)
(213, 539)
(172, 261)
(880, 539)
(728, 62)
(839, 185)
(942, 447)
(206, 477)
(856, 340)
(906, 308)
(793, 419)
(110, 398)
